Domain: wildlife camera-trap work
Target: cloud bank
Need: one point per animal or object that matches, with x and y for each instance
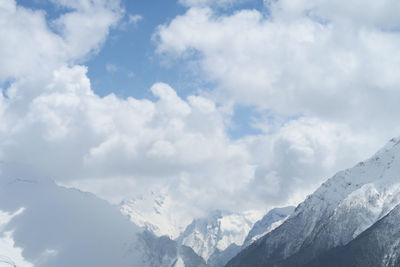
(330, 81)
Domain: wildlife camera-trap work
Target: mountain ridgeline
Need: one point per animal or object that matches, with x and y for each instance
(351, 220)
(221, 235)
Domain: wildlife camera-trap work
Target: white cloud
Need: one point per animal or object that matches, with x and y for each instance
(121, 147)
(51, 118)
(300, 155)
(22, 31)
(328, 70)
(28, 47)
(71, 134)
(85, 29)
(299, 60)
(134, 19)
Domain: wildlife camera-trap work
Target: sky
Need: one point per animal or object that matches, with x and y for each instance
(226, 104)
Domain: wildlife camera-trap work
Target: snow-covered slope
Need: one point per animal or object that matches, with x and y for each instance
(218, 231)
(269, 222)
(155, 212)
(216, 238)
(379, 246)
(341, 209)
(48, 225)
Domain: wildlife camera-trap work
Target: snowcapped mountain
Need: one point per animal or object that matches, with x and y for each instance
(215, 233)
(337, 213)
(42, 224)
(216, 238)
(155, 212)
(269, 222)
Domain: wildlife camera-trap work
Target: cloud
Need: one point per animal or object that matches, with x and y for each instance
(134, 19)
(298, 60)
(117, 147)
(99, 144)
(327, 72)
(71, 134)
(216, 3)
(381, 14)
(85, 29)
(28, 46)
(299, 155)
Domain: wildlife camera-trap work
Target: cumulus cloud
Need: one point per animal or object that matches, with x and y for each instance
(29, 48)
(312, 58)
(121, 147)
(299, 155)
(73, 135)
(328, 71)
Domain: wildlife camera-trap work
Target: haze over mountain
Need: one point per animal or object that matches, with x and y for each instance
(43, 224)
(156, 212)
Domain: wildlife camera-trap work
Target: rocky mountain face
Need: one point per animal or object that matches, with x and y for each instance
(336, 215)
(42, 224)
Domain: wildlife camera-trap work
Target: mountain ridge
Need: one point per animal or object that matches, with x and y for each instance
(328, 217)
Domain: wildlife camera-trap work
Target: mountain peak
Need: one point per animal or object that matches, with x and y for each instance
(217, 231)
